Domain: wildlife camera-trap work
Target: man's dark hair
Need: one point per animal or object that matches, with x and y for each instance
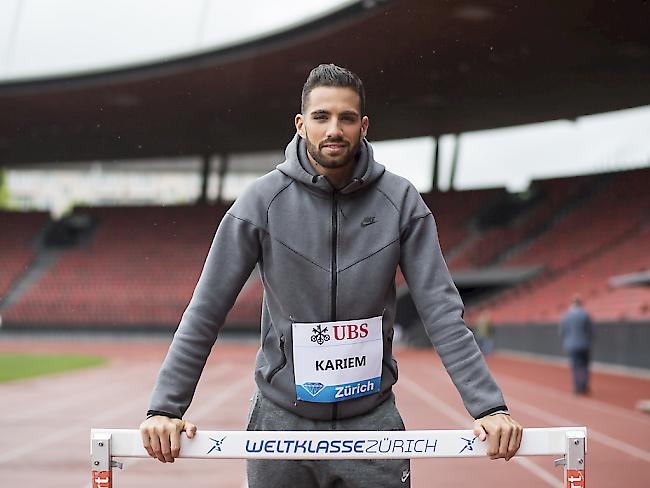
(332, 75)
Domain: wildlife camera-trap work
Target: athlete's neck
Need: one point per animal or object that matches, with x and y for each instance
(338, 177)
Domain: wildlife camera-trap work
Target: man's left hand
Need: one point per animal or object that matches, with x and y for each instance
(503, 435)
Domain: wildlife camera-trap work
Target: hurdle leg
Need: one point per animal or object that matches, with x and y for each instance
(101, 462)
(574, 460)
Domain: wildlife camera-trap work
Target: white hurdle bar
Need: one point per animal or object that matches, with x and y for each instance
(568, 442)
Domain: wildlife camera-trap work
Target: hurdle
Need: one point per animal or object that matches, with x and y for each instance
(108, 445)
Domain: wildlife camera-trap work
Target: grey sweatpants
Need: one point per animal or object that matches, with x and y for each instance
(385, 473)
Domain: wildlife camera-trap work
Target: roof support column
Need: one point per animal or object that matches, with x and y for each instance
(436, 165)
(223, 169)
(205, 174)
(454, 162)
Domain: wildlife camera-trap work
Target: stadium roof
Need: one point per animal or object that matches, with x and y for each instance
(430, 68)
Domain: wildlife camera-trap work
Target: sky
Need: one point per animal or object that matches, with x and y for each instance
(44, 38)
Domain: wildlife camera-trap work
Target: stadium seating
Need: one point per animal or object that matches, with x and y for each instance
(140, 266)
(18, 230)
(453, 211)
(546, 300)
(607, 217)
(606, 236)
(143, 263)
(553, 196)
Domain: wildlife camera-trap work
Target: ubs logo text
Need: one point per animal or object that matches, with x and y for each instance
(350, 331)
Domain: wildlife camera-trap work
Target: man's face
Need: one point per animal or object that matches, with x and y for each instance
(332, 125)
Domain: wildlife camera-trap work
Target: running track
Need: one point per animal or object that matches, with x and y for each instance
(46, 421)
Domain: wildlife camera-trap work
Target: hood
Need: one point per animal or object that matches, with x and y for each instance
(296, 166)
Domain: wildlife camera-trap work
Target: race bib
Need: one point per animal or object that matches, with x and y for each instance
(335, 361)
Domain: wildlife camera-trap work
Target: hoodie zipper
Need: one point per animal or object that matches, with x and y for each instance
(335, 225)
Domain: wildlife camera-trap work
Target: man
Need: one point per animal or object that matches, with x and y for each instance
(485, 333)
(576, 331)
(327, 230)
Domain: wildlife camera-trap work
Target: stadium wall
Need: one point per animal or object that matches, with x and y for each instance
(616, 343)
(626, 343)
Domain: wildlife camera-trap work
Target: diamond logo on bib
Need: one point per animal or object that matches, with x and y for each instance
(335, 361)
(313, 388)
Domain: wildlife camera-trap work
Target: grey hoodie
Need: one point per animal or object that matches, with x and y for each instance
(318, 263)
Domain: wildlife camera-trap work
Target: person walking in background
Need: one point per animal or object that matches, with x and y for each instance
(576, 330)
(485, 334)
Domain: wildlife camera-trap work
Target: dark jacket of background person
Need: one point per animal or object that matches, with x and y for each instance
(576, 329)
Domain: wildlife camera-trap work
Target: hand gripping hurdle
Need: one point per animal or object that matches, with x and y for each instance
(568, 442)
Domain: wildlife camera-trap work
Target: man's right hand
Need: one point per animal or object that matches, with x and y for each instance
(161, 436)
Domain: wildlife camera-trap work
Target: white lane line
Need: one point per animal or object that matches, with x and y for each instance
(592, 434)
(582, 402)
(462, 420)
(550, 479)
(61, 434)
(76, 399)
(599, 405)
(26, 392)
(206, 409)
(137, 401)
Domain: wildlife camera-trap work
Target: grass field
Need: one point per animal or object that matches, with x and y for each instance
(15, 366)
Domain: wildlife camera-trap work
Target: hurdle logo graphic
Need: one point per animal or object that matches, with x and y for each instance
(469, 444)
(217, 444)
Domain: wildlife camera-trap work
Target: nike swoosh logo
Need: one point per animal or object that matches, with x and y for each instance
(368, 221)
(405, 476)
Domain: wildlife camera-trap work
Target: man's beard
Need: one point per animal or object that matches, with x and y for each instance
(333, 162)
